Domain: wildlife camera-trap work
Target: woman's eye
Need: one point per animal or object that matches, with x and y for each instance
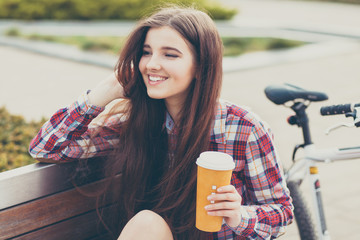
(146, 53)
(171, 55)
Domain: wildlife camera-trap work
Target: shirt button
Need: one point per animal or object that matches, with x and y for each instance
(82, 112)
(62, 130)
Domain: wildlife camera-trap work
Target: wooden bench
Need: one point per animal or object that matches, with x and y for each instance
(39, 201)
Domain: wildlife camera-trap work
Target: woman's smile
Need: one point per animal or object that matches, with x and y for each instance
(156, 79)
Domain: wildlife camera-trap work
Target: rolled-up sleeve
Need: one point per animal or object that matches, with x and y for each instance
(268, 209)
(68, 134)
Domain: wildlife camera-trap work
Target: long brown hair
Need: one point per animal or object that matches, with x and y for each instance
(148, 180)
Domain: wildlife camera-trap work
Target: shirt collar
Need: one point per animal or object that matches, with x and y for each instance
(169, 122)
(218, 131)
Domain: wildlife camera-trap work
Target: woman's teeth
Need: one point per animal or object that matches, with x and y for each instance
(156, 79)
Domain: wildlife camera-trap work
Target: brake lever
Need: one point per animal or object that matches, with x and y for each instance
(349, 125)
(355, 115)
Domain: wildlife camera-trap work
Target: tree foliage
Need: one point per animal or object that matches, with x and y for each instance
(96, 10)
(15, 136)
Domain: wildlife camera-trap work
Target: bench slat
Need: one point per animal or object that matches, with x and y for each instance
(48, 210)
(85, 226)
(41, 179)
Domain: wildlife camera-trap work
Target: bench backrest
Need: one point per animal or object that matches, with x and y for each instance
(39, 201)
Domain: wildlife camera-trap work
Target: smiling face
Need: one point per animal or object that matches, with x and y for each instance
(167, 65)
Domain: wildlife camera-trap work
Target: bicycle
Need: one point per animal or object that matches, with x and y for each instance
(300, 100)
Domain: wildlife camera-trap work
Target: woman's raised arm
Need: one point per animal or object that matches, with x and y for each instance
(68, 134)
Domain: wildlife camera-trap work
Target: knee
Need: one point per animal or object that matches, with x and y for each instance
(152, 226)
(147, 218)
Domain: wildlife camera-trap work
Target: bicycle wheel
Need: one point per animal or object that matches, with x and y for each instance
(302, 213)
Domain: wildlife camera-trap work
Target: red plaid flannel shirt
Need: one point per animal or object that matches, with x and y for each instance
(267, 207)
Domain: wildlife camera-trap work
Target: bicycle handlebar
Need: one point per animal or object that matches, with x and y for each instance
(338, 109)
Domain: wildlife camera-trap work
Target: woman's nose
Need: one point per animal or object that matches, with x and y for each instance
(153, 63)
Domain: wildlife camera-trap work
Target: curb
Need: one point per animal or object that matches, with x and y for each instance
(302, 53)
(62, 51)
(230, 64)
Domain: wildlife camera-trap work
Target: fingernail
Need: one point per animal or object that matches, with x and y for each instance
(207, 207)
(219, 189)
(210, 196)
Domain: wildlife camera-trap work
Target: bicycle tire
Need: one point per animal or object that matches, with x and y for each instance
(304, 221)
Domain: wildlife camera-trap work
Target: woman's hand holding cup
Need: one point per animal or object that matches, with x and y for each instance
(227, 204)
(214, 170)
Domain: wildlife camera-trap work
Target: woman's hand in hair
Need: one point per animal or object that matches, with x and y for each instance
(227, 204)
(106, 91)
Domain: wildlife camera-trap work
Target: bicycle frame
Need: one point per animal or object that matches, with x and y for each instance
(307, 167)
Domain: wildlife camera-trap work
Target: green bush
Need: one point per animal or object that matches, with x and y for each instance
(220, 13)
(96, 10)
(15, 136)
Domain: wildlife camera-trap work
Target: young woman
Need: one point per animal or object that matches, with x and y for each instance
(169, 76)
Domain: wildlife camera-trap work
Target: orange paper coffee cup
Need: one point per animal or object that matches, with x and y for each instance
(214, 170)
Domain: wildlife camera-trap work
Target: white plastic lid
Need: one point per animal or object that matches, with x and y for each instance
(215, 161)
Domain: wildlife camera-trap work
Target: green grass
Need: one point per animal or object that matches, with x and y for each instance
(105, 44)
(109, 44)
(238, 46)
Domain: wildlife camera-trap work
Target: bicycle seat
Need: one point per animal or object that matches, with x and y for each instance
(280, 94)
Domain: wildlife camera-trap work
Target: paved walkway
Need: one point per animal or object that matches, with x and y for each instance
(329, 34)
(36, 85)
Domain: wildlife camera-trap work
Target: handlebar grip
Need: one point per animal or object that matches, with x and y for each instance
(337, 109)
